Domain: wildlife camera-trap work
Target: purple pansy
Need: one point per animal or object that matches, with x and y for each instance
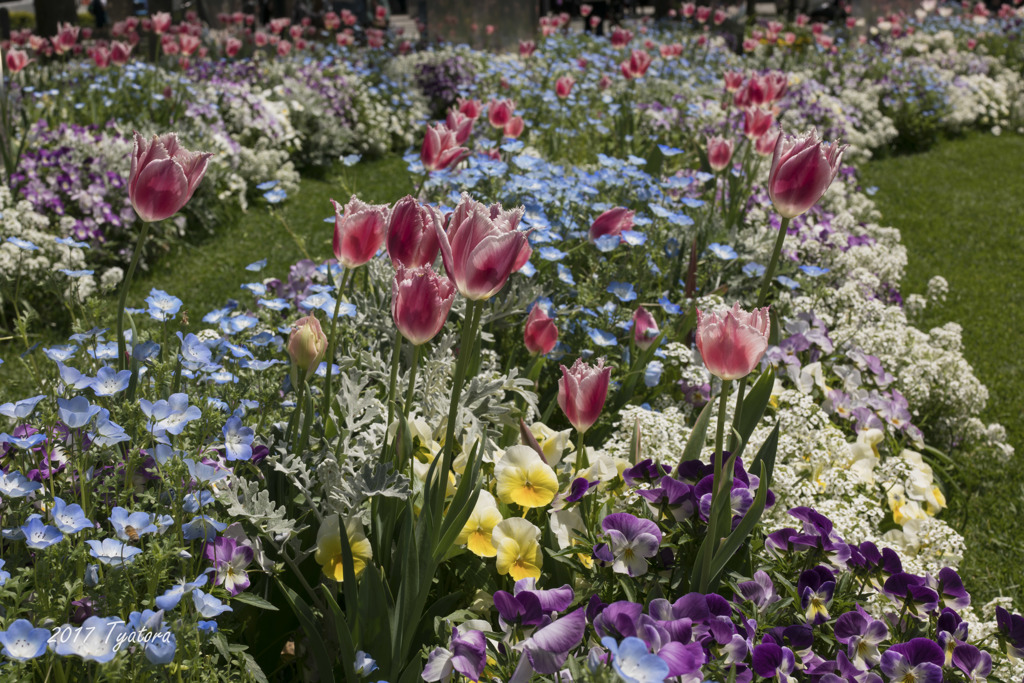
(230, 558)
(917, 661)
(632, 541)
(861, 634)
(468, 657)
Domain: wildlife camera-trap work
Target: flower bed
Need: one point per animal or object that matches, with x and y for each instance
(365, 455)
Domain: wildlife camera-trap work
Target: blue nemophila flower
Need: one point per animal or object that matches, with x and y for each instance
(257, 266)
(170, 415)
(268, 185)
(15, 485)
(172, 596)
(202, 527)
(634, 662)
(113, 552)
(787, 282)
(162, 306)
(61, 352)
(38, 535)
(105, 351)
(607, 243)
(96, 640)
(602, 338)
(237, 439)
(22, 244)
(652, 375)
(813, 271)
(256, 288)
(70, 519)
(145, 351)
(25, 442)
(73, 378)
(109, 381)
(222, 377)
(148, 629)
(238, 323)
(76, 412)
(207, 605)
(275, 196)
(669, 151)
(204, 473)
(69, 242)
(23, 642)
(3, 575)
(623, 291)
(351, 159)
(76, 273)
(753, 269)
(722, 251)
(321, 370)
(551, 253)
(631, 237)
(141, 522)
(277, 304)
(194, 353)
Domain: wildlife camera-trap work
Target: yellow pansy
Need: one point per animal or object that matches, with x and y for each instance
(524, 479)
(551, 442)
(476, 535)
(518, 546)
(328, 547)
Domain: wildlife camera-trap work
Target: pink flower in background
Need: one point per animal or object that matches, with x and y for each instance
(420, 302)
(637, 64)
(16, 60)
(719, 17)
(756, 122)
(688, 9)
(621, 37)
(732, 345)
(645, 328)
(540, 334)
(582, 392)
(161, 22)
(261, 39)
(611, 222)
(332, 22)
(733, 80)
(585, 10)
(67, 36)
(802, 170)
(232, 46)
(703, 13)
(461, 124)
(189, 44)
(163, 176)
(471, 108)
(563, 86)
(514, 127)
(482, 247)
(412, 233)
(120, 53)
(440, 148)
(358, 231)
(283, 48)
(526, 48)
(100, 56)
(499, 112)
(765, 145)
(719, 153)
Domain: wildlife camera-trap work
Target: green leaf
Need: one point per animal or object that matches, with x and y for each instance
(634, 443)
(699, 435)
(766, 454)
(755, 403)
(254, 601)
(341, 630)
(254, 669)
(739, 535)
(318, 648)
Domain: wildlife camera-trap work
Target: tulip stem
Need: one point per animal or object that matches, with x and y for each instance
(740, 391)
(769, 272)
(412, 381)
(582, 462)
(342, 282)
(121, 352)
(396, 357)
(472, 319)
(719, 438)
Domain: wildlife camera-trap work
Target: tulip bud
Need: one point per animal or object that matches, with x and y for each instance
(499, 112)
(563, 86)
(163, 176)
(645, 328)
(440, 148)
(719, 153)
(471, 108)
(420, 302)
(611, 222)
(307, 344)
(540, 334)
(582, 392)
(732, 345)
(802, 170)
(412, 234)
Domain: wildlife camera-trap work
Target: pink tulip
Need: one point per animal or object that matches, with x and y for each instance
(605, 82)
(733, 80)
(526, 48)
(16, 60)
(514, 127)
(595, 21)
(719, 17)
(789, 37)
(482, 247)
(307, 344)
(802, 170)
(161, 22)
(582, 392)
(499, 112)
(283, 48)
(67, 36)
(645, 328)
(471, 108)
(540, 334)
(756, 122)
(420, 302)
(232, 46)
(637, 64)
(100, 56)
(765, 145)
(261, 39)
(585, 10)
(120, 53)
(703, 13)
(611, 222)
(189, 44)
(732, 345)
(461, 124)
(563, 86)
(332, 22)
(719, 153)
(440, 149)
(621, 37)
(358, 231)
(412, 233)
(778, 84)
(688, 9)
(163, 176)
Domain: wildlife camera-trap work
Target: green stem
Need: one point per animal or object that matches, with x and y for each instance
(719, 439)
(582, 462)
(740, 391)
(342, 282)
(769, 272)
(410, 392)
(396, 357)
(121, 352)
(712, 541)
(472, 319)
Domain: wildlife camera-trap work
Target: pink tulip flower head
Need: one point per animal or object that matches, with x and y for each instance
(611, 222)
(765, 145)
(161, 22)
(471, 108)
(582, 392)
(412, 233)
(585, 10)
(514, 127)
(482, 247)
(637, 64)
(563, 86)
(440, 148)
(719, 153)
(461, 124)
(163, 176)
(526, 48)
(689, 9)
(16, 60)
(358, 231)
(756, 122)
(120, 52)
(733, 80)
(802, 170)
(232, 46)
(645, 328)
(420, 302)
(732, 343)
(499, 112)
(540, 334)
(719, 17)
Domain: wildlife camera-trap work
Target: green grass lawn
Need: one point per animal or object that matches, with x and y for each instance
(205, 273)
(960, 208)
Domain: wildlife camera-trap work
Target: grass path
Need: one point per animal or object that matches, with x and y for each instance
(960, 208)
